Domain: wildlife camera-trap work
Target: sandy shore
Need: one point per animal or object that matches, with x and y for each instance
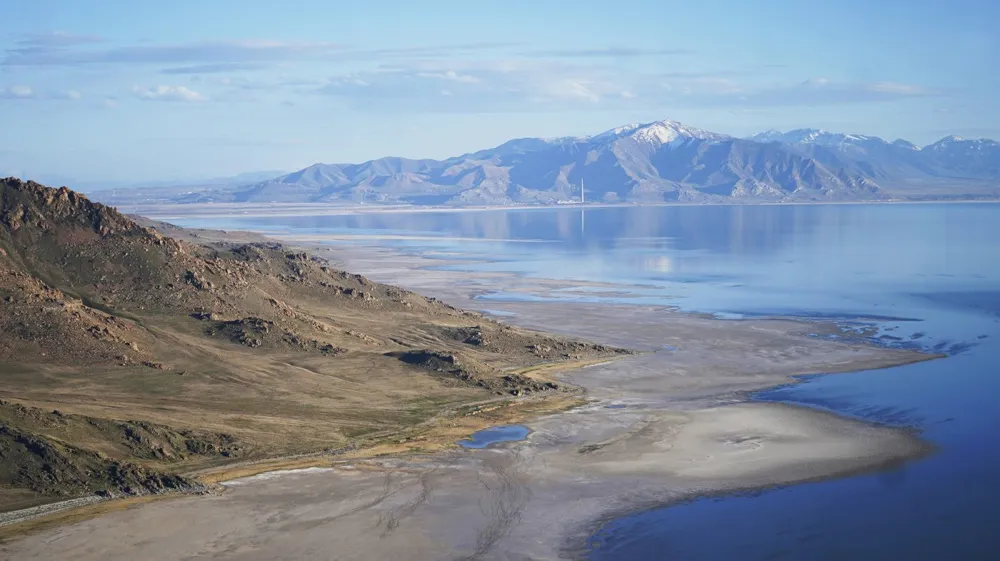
(663, 426)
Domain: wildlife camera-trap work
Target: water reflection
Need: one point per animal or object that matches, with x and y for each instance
(929, 239)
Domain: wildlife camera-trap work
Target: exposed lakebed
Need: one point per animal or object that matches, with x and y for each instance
(936, 264)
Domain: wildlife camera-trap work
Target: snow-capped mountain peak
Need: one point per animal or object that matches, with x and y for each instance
(770, 135)
(807, 135)
(957, 143)
(816, 136)
(619, 131)
(658, 133)
(662, 160)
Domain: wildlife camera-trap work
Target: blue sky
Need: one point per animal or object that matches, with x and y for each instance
(136, 91)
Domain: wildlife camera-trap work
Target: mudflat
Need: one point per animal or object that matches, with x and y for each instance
(659, 427)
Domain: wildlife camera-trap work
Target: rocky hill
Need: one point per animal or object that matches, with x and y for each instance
(128, 357)
(652, 162)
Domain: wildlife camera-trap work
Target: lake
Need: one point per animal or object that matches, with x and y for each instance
(917, 275)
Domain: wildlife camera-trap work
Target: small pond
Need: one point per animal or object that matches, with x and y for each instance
(492, 435)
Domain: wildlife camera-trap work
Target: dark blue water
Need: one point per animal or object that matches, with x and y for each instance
(492, 435)
(924, 275)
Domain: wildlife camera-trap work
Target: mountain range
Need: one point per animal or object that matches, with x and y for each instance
(652, 162)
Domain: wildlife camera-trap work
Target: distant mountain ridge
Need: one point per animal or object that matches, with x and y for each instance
(951, 166)
(651, 162)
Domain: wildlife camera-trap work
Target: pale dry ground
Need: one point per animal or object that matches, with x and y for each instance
(678, 428)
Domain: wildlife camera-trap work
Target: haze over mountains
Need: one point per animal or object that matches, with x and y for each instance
(652, 162)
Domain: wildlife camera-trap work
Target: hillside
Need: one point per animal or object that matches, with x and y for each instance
(652, 162)
(129, 358)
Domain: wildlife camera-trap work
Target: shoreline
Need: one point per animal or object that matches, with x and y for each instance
(254, 210)
(577, 544)
(75, 509)
(670, 414)
(483, 415)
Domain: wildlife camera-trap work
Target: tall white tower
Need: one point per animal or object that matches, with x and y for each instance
(581, 191)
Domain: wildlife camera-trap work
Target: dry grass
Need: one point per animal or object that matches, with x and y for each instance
(443, 433)
(280, 402)
(126, 352)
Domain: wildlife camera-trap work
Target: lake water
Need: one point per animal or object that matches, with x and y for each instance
(493, 435)
(926, 275)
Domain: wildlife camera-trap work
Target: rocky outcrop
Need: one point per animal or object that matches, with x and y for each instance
(473, 373)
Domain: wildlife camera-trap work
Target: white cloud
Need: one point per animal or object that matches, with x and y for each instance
(17, 92)
(694, 85)
(57, 39)
(168, 93)
(450, 75)
(899, 89)
(347, 81)
(816, 82)
(518, 84)
(823, 91)
(717, 91)
(27, 92)
(214, 68)
(496, 84)
(205, 57)
(577, 89)
(607, 52)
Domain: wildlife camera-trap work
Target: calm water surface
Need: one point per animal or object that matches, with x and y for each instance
(492, 435)
(929, 274)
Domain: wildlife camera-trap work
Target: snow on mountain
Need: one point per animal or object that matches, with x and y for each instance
(970, 158)
(950, 163)
(659, 132)
(657, 161)
(770, 135)
(815, 136)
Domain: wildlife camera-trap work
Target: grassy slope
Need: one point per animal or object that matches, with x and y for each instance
(162, 356)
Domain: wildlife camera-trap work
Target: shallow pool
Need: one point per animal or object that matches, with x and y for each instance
(492, 435)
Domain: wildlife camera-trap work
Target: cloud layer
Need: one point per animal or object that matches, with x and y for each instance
(64, 50)
(471, 77)
(23, 92)
(57, 39)
(168, 93)
(528, 84)
(17, 92)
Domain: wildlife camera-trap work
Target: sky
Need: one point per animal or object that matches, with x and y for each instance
(120, 91)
